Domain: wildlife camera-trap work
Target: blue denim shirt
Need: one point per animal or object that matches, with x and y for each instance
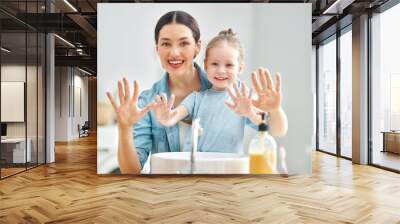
(151, 136)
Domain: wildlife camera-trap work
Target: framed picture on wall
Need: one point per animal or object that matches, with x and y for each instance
(12, 101)
(160, 43)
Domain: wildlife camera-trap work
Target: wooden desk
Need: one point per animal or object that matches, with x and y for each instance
(391, 141)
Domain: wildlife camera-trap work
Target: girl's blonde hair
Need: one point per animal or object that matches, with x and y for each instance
(230, 37)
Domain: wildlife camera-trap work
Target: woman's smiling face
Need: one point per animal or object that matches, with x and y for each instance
(177, 48)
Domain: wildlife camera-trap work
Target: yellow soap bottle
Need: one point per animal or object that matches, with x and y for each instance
(263, 151)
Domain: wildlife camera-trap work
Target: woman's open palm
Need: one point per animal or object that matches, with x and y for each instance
(128, 112)
(269, 97)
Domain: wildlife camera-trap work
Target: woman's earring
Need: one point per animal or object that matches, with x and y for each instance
(197, 53)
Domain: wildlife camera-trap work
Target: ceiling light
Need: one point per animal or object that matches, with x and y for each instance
(329, 9)
(79, 51)
(338, 6)
(5, 50)
(64, 40)
(70, 5)
(84, 71)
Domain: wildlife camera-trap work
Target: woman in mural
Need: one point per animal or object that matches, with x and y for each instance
(177, 38)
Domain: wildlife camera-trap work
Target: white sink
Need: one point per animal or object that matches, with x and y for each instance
(205, 163)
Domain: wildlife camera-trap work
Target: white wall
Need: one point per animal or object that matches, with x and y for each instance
(68, 81)
(80, 83)
(61, 103)
(16, 73)
(34, 124)
(283, 43)
(277, 36)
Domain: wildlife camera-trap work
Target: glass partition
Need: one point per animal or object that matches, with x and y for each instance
(31, 100)
(22, 88)
(41, 109)
(14, 151)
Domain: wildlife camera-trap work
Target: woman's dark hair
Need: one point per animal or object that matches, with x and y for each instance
(179, 17)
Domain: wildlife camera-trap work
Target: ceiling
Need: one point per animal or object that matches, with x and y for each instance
(76, 22)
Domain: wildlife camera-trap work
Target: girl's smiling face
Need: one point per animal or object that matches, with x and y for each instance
(222, 65)
(177, 48)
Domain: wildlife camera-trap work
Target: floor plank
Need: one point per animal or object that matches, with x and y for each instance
(70, 191)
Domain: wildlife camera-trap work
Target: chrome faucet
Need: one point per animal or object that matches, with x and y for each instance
(196, 132)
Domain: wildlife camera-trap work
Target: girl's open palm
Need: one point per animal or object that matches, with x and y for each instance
(269, 97)
(242, 103)
(128, 112)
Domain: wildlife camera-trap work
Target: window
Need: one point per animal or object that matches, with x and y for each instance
(385, 88)
(327, 97)
(346, 94)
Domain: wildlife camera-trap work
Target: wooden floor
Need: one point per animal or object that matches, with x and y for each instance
(10, 171)
(5, 172)
(387, 159)
(70, 191)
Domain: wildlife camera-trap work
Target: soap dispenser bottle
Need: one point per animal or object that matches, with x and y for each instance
(263, 151)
